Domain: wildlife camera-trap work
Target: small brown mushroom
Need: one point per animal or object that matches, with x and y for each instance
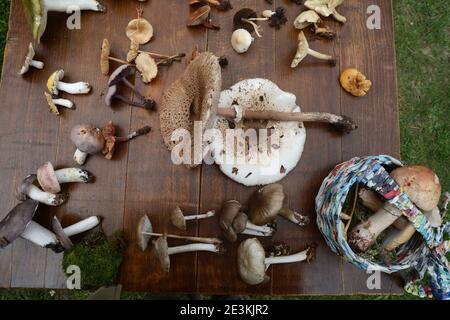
(354, 82)
(179, 220)
(29, 62)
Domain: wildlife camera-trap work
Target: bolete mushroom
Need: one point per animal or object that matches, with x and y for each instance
(29, 62)
(27, 190)
(303, 50)
(354, 82)
(88, 140)
(253, 264)
(54, 101)
(310, 17)
(179, 220)
(120, 75)
(145, 232)
(54, 84)
(50, 179)
(421, 185)
(241, 40)
(36, 11)
(163, 251)
(195, 97)
(234, 221)
(326, 8)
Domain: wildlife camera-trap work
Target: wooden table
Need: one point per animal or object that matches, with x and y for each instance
(141, 178)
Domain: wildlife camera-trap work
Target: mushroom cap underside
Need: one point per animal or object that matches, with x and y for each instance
(265, 204)
(263, 160)
(251, 262)
(144, 226)
(47, 178)
(193, 97)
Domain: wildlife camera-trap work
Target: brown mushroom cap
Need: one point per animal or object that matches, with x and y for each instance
(265, 204)
(161, 248)
(87, 138)
(47, 178)
(66, 243)
(251, 262)
(147, 67)
(177, 218)
(193, 97)
(421, 185)
(354, 82)
(139, 30)
(144, 225)
(228, 214)
(104, 57)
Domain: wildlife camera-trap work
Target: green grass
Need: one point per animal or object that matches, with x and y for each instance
(422, 31)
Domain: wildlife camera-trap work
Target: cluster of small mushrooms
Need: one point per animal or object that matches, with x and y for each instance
(44, 187)
(259, 221)
(421, 185)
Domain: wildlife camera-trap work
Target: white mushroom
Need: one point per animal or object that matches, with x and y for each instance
(28, 190)
(54, 84)
(241, 40)
(29, 62)
(303, 50)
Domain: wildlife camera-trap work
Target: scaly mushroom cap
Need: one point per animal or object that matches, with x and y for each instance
(64, 240)
(15, 223)
(144, 225)
(247, 165)
(251, 262)
(104, 57)
(193, 97)
(139, 30)
(228, 214)
(354, 82)
(47, 178)
(36, 17)
(52, 106)
(421, 185)
(147, 67)
(265, 204)
(306, 18)
(162, 252)
(53, 80)
(177, 218)
(87, 138)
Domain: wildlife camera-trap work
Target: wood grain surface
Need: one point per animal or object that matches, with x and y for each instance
(141, 178)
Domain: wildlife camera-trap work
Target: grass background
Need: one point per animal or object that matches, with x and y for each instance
(422, 34)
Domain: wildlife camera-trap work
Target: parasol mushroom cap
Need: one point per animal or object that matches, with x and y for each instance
(193, 97)
(16, 221)
(144, 226)
(139, 31)
(421, 185)
(265, 204)
(161, 249)
(255, 168)
(251, 262)
(104, 57)
(147, 67)
(87, 138)
(354, 82)
(306, 19)
(241, 40)
(47, 178)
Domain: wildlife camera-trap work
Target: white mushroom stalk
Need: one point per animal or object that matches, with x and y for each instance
(193, 247)
(63, 103)
(74, 88)
(43, 237)
(28, 190)
(80, 157)
(255, 26)
(65, 5)
(206, 215)
(69, 175)
(297, 257)
(174, 236)
(265, 230)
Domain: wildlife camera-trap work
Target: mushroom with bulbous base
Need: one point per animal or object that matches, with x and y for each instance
(163, 251)
(144, 233)
(179, 220)
(50, 179)
(27, 190)
(253, 264)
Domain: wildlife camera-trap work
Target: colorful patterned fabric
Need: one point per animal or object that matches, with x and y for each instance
(426, 256)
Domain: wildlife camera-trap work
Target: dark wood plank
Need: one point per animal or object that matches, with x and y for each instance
(154, 184)
(372, 52)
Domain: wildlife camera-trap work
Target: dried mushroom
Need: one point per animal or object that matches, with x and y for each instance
(354, 82)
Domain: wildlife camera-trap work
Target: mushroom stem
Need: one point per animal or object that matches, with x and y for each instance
(341, 123)
(255, 26)
(82, 226)
(263, 229)
(140, 132)
(147, 104)
(171, 58)
(206, 215)
(74, 88)
(321, 56)
(47, 198)
(300, 256)
(194, 247)
(119, 60)
(174, 236)
(64, 5)
(294, 217)
(80, 157)
(133, 88)
(64, 103)
(69, 175)
(37, 64)
(257, 19)
(339, 17)
(164, 56)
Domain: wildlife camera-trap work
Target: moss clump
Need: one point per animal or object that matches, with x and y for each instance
(99, 262)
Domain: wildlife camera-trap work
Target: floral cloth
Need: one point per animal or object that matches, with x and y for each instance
(426, 256)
